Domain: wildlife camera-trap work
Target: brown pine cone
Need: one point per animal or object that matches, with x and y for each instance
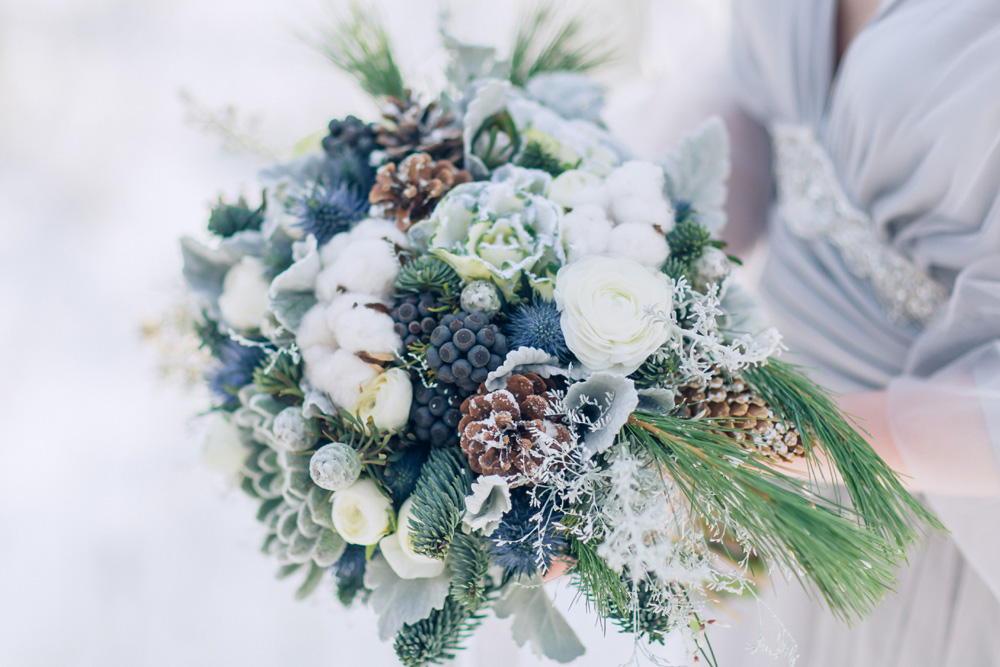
(410, 127)
(737, 406)
(502, 430)
(412, 190)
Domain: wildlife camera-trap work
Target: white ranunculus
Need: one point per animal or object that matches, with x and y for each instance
(606, 304)
(244, 294)
(386, 399)
(223, 450)
(361, 514)
(399, 553)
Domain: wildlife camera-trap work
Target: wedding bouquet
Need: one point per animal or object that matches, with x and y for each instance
(474, 341)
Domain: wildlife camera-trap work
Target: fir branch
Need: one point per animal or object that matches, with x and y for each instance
(280, 376)
(876, 494)
(537, 156)
(817, 540)
(545, 42)
(361, 47)
(429, 274)
(372, 444)
(438, 501)
(601, 586)
(435, 639)
(469, 562)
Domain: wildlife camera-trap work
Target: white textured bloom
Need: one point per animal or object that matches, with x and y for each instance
(244, 294)
(605, 304)
(361, 514)
(636, 195)
(341, 375)
(360, 328)
(398, 551)
(486, 505)
(574, 188)
(386, 399)
(335, 466)
(639, 242)
(585, 231)
(223, 450)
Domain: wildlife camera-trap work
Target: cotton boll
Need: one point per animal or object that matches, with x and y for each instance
(314, 330)
(313, 356)
(575, 188)
(361, 329)
(332, 249)
(341, 376)
(652, 210)
(635, 178)
(639, 242)
(368, 265)
(327, 284)
(373, 228)
(585, 231)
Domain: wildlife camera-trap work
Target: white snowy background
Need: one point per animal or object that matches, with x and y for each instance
(117, 547)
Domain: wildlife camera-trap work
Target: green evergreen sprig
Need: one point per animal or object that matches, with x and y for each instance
(361, 47)
(875, 491)
(546, 42)
(435, 639)
(429, 274)
(374, 445)
(600, 585)
(280, 376)
(818, 540)
(438, 501)
(469, 563)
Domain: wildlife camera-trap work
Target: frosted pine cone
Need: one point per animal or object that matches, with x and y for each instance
(412, 190)
(511, 431)
(737, 406)
(410, 127)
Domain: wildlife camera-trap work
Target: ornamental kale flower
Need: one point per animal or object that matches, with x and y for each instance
(498, 231)
(526, 540)
(330, 209)
(538, 325)
(237, 363)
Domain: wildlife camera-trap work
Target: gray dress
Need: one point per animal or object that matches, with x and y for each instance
(903, 296)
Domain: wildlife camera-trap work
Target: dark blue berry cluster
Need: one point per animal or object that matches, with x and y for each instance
(464, 348)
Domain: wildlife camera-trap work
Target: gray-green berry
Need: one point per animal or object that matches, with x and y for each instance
(335, 466)
(481, 295)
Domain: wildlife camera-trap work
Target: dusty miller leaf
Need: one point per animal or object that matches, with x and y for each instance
(538, 622)
(399, 601)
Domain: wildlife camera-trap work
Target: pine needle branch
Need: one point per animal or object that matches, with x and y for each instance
(817, 540)
(545, 42)
(361, 47)
(876, 494)
(438, 501)
(600, 585)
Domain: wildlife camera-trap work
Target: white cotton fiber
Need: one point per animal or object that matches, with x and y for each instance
(635, 178)
(373, 228)
(362, 329)
(314, 330)
(585, 231)
(639, 242)
(341, 376)
(652, 210)
(369, 265)
(331, 250)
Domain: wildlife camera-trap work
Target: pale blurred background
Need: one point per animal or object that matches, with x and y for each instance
(117, 547)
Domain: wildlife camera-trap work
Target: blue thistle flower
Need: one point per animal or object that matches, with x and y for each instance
(331, 209)
(237, 363)
(521, 544)
(402, 471)
(349, 573)
(538, 325)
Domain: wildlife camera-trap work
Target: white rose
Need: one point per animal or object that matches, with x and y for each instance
(605, 319)
(361, 514)
(386, 399)
(223, 450)
(244, 294)
(398, 551)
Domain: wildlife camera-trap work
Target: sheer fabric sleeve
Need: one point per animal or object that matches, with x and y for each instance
(944, 414)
